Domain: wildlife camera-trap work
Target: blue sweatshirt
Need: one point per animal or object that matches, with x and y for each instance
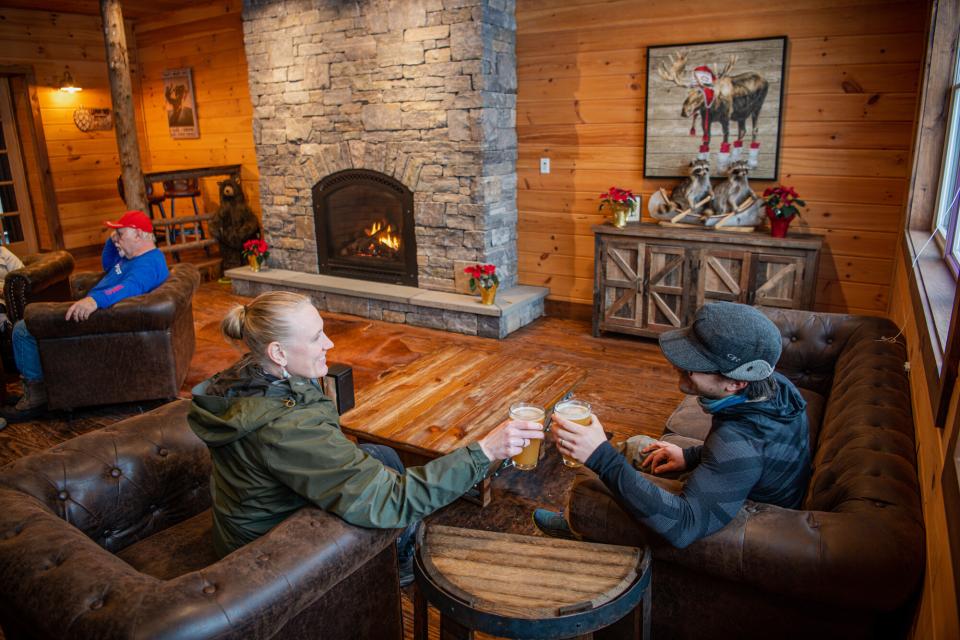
(126, 278)
(756, 450)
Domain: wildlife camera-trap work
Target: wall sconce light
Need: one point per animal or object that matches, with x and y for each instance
(67, 83)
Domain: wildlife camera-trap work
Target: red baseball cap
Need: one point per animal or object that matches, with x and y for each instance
(134, 219)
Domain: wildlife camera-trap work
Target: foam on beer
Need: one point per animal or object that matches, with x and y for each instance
(530, 414)
(574, 412)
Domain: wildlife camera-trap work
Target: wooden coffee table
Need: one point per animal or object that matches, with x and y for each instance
(450, 398)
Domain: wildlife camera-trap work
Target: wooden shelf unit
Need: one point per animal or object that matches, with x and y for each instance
(650, 278)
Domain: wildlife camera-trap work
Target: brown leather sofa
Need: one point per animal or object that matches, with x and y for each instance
(138, 349)
(43, 277)
(849, 562)
(109, 536)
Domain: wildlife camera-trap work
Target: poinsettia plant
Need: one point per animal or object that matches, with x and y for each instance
(256, 248)
(616, 196)
(782, 202)
(483, 276)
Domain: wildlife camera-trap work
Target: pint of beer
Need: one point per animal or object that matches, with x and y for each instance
(575, 411)
(527, 459)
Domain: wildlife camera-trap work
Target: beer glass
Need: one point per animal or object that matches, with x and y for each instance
(575, 411)
(527, 459)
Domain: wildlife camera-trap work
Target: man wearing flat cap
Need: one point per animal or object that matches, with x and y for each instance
(756, 449)
(133, 266)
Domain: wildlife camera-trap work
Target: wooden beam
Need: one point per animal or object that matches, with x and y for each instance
(121, 90)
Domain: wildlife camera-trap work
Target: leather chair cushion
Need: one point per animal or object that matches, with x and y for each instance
(186, 546)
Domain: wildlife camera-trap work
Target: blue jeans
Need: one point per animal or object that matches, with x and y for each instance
(389, 458)
(27, 353)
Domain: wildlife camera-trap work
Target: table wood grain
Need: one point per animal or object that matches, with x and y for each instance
(452, 397)
(526, 576)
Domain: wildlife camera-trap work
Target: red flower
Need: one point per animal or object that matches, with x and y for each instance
(489, 269)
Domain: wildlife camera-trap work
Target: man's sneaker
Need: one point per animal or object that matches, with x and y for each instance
(406, 570)
(553, 524)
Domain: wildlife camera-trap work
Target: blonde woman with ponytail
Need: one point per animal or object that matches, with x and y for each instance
(276, 443)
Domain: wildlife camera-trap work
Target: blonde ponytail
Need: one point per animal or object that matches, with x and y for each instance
(264, 320)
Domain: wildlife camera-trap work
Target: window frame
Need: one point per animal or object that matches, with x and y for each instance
(931, 277)
(933, 288)
(948, 188)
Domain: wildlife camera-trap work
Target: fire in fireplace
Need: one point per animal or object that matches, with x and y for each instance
(365, 227)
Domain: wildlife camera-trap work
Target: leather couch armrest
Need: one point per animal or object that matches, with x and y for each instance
(92, 593)
(298, 561)
(48, 319)
(830, 557)
(39, 272)
(156, 310)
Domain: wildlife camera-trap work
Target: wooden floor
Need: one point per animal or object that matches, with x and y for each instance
(631, 387)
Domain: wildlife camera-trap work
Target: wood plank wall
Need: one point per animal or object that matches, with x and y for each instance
(85, 166)
(937, 613)
(209, 39)
(850, 101)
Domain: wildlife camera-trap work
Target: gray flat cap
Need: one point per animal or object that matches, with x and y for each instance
(732, 339)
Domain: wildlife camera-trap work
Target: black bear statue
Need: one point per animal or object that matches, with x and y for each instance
(233, 224)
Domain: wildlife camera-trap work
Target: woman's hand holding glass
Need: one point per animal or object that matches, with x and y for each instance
(577, 441)
(509, 438)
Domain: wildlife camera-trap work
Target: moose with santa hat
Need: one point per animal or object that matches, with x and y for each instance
(720, 97)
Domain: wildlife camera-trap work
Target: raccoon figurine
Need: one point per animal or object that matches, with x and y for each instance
(731, 194)
(689, 195)
(735, 202)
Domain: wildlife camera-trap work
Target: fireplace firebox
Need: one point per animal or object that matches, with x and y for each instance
(365, 227)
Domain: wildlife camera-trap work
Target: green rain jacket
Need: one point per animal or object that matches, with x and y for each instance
(276, 446)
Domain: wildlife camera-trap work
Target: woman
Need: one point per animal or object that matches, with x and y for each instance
(276, 443)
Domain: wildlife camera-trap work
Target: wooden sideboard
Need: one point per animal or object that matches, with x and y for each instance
(650, 279)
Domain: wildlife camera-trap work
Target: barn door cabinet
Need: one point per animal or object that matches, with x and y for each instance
(650, 279)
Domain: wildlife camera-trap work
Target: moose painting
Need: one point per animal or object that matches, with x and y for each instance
(720, 102)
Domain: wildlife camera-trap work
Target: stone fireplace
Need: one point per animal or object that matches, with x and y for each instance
(419, 92)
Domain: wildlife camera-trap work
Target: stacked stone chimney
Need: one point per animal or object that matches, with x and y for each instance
(421, 90)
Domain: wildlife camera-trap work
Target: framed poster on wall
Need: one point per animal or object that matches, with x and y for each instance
(179, 101)
(717, 101)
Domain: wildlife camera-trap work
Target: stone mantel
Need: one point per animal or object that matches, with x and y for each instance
(514, 307)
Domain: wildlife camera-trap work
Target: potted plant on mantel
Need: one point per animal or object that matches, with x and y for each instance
(256, 252)
(484, 277)
(782, 204)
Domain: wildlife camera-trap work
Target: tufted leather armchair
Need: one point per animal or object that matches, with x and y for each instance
(847, 564)
(43, 277)
(108, 536)
(138, 349)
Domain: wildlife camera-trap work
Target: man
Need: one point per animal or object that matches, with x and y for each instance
(133, 266)
(756, 449)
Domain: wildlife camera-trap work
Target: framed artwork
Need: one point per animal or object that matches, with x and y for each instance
(717, 101)
(179, 100)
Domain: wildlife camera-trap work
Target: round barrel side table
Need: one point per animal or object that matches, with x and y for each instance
(529, 587)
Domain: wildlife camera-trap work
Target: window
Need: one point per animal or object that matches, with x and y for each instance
(948, 195)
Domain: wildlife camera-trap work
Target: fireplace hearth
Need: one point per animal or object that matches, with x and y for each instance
(365, 227)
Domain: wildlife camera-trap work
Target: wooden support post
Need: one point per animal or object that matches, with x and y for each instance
(121, 91)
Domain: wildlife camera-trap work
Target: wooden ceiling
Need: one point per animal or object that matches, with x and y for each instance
(132, 9)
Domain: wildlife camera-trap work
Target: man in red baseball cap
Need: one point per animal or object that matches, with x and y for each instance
(133, 266)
